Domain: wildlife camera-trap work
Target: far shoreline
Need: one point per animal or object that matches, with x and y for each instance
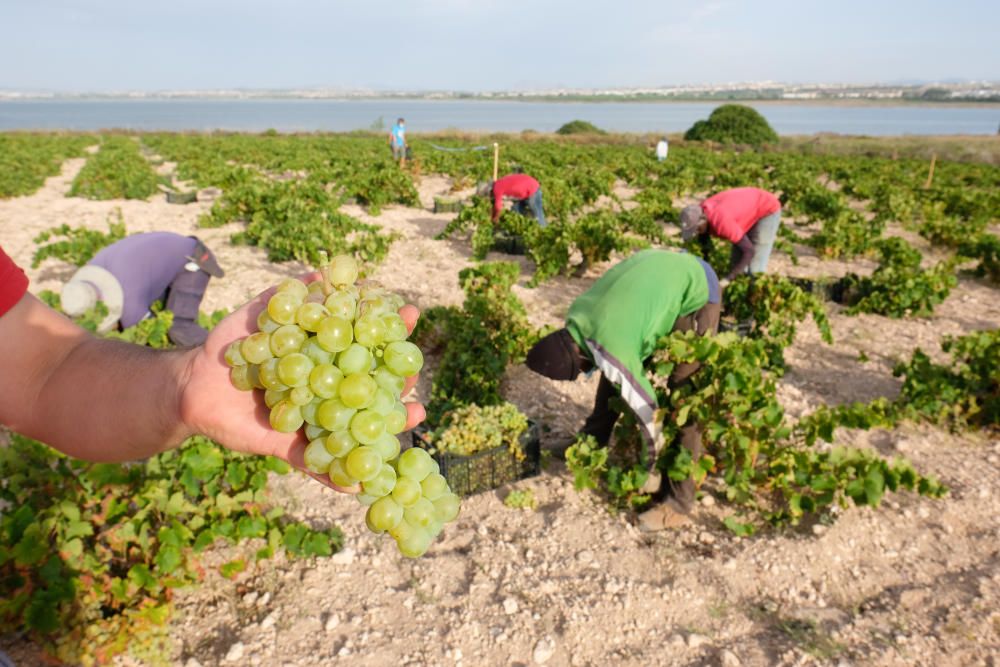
(543, 99)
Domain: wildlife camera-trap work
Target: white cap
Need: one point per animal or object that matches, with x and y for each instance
(88, 286)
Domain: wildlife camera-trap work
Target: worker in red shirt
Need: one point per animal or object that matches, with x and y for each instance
(747, 217)
(523, 189)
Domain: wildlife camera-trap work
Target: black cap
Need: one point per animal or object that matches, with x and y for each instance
(205, 260)
(555, 356)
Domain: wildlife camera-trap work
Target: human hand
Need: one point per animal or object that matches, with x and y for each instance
(724, 283)
(238, 420)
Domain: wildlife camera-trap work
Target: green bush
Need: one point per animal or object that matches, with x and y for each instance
(117, 171)
(733, 124)
(580, 127)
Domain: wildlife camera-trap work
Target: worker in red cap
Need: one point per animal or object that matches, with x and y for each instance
(130, 275)
(747, 217)
(523, 189)
(613, 328)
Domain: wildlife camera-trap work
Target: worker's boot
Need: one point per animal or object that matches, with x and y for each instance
(663, 516)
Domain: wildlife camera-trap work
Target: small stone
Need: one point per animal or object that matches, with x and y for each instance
(544, 650)
(706, 538)
(457, 654)
(250, 597)
(676, 642)
(696, 640)
(729, 659)
(708, 500)
(818, 529)
(510, 606)
(235, 652)
(332, 621)
(264, 599)
(268, 621)
(585, 556)
(192, 662)
(343, 557)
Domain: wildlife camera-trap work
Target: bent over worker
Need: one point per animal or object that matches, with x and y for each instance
(613, 327)
(523, 189)
(131, 274)
(747, 217)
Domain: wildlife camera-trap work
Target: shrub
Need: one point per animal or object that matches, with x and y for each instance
(580, 127)
(733, 124)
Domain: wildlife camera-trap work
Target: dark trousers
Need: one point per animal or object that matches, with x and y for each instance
(601, 421)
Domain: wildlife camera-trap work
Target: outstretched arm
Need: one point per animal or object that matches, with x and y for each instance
(106, 400)
(746, 256)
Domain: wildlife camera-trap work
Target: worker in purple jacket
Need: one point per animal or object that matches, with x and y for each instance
(132, 274)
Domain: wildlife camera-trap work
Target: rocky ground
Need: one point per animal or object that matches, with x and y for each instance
(914, 582)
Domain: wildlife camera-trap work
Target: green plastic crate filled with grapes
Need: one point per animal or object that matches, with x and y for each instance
(332, 359)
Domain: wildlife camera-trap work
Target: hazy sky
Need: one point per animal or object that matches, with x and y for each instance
(104, 45)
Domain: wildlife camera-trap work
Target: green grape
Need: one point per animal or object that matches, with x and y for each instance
(256, 348)
(384, 401)
(317, 286)
(434, 486)
(294, 369)
(395, 327)
(395, 421)
(407, 491)
(333, 415)
(414, 463)
(446, 507)
(334, 334)
(382, 484)
(293, 286)
(342, 270)
(313, 432)
(253, 375)
(403, 358)
(366, 499)
(309, 412)
(357, 390)
(435, 529)
(282, 307)
(363, 463)
(317, 458)
(265, 323)
(240, 377)
(324, 380)
(420, 514)
(301, 396)
(268, 372)
(340, 443)
(367, 426)
(233, 356)
(389, 381)
(342, 304)
(286, 339)
(286, 417)
(435, 467)
(312, 349)
(338, 475)
(384, 514)
(369, 331)
(387, 446)
(371, 527)
(415, 544)
(273, 396)
(309, 315)
(355, 359)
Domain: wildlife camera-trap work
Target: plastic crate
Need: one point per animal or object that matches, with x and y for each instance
(509, 244)
(488, 469)
(181, 197)
(829, 289)
(447, 205)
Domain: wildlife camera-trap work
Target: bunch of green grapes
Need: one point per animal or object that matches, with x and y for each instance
(473, 428)
(332, 357)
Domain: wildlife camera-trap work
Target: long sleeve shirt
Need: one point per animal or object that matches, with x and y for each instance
(618, 321)
(515, 186)
(145, 265)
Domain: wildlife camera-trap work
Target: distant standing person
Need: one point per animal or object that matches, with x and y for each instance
(661, 149)
(397, 139)
(747, 217)
(132, 274)
(523, 189)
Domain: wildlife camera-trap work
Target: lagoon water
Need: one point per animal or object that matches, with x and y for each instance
(309, 115)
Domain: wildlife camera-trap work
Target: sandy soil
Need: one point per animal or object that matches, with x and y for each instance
(914, 582)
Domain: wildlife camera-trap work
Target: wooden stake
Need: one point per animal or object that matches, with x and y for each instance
(930, 173)
(496, 160)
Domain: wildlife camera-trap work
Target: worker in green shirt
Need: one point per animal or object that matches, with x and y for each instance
(613, 328)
